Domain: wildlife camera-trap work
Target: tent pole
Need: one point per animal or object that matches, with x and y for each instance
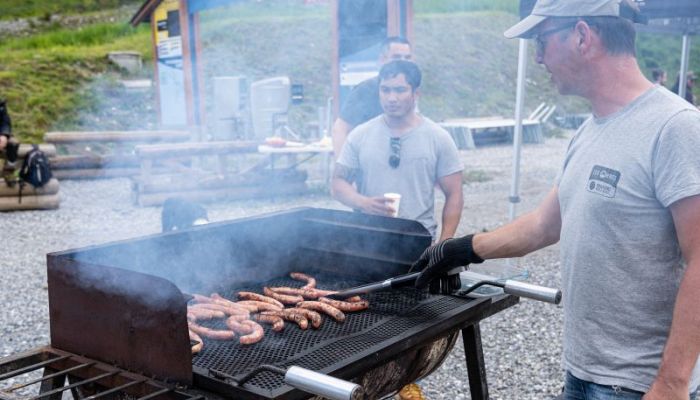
(682, 80)
(514, 197)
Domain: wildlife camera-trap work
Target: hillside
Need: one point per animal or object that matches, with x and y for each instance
(55, 75)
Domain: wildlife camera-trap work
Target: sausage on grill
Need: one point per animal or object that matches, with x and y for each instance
(324, 308)
(217, 299)
(196, 348)
(255, 335)
(211, 333)
(282, 298)
(312, 316)
(346, 305)
(238, 326)
(276, 322)
(289, 315)
(256, 306)
(258, 297)
(309, 294)
(226, 309)
(194, 314)
(310, 281)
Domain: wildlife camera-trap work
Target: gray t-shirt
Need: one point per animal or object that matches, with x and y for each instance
(621, 260)
(427, 154)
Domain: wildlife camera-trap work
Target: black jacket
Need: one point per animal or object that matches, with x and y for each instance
(5, 122)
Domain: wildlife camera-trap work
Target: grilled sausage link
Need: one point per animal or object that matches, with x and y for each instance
(195, 314)
(211, 333)
(226, 309)
(310, 281)
(312, 316)
(324, 308)
(238, 326)
(259, 297)
(197, 347)
(309, 294)
(257, 306)
(276, 322)
(282, 298)
(297, 318)
(346, 305)
(200, 298)
(218, 299)
(255, 335)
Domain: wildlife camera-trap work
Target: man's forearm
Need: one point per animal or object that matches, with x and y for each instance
(532, 231)
(683, 345)
(345, 192)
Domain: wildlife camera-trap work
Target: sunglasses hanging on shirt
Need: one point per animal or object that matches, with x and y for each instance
(395, 157)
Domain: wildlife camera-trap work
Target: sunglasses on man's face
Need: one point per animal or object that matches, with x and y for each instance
(395, 157)
(541, 38)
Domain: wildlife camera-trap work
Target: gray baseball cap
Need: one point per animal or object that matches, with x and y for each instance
(565, 8)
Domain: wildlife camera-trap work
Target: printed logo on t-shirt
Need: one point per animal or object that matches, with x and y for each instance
(603, 181)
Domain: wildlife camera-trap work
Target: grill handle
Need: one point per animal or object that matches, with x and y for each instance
(322, 385)
(531, 291)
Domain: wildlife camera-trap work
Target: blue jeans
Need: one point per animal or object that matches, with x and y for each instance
(577, 389)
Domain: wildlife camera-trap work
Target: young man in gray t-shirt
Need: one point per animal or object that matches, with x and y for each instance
(401, 152)
(625, 209)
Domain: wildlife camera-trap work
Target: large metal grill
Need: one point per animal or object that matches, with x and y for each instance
(124, 303)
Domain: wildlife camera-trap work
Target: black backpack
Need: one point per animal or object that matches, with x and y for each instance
(35, 170)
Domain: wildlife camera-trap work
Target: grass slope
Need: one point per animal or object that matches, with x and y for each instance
(43, 76)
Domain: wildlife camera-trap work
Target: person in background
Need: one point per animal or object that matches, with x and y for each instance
(178, 214)
(9, 146)
(363, 102)
(403, 152)
(659, 76)
(689, 82)
(625, 209)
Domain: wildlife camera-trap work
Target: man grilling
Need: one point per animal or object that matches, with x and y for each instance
(9, 146)
(403, 152)
(625, 209)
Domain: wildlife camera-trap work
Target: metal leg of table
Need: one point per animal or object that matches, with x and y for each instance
(476, 369)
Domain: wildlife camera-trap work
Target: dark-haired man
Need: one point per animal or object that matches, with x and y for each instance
(625, 210)
(403, 152)
(363, 102)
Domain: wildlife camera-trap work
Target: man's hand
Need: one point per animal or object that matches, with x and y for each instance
(3, 142)
(442, 257)
(663, 391)
(377, 206)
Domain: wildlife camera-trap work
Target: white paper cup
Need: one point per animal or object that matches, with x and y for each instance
(395, 200)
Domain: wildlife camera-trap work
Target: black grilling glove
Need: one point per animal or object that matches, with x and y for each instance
(438, 259)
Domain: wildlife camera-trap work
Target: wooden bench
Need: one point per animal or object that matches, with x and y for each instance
(103, 154)
(205, 172)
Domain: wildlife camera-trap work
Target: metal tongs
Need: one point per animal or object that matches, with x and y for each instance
(452, 283)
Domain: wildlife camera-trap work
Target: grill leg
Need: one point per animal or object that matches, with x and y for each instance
(52, 383)
(476, 369)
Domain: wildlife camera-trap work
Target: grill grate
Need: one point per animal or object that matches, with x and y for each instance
(391, 314)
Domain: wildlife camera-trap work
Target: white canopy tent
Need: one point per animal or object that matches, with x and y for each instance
(679, 17)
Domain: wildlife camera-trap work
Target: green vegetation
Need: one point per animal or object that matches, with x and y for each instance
(450, 6)
(45, 8)
(43, 76)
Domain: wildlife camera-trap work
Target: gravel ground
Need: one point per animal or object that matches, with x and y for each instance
(521, 345)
